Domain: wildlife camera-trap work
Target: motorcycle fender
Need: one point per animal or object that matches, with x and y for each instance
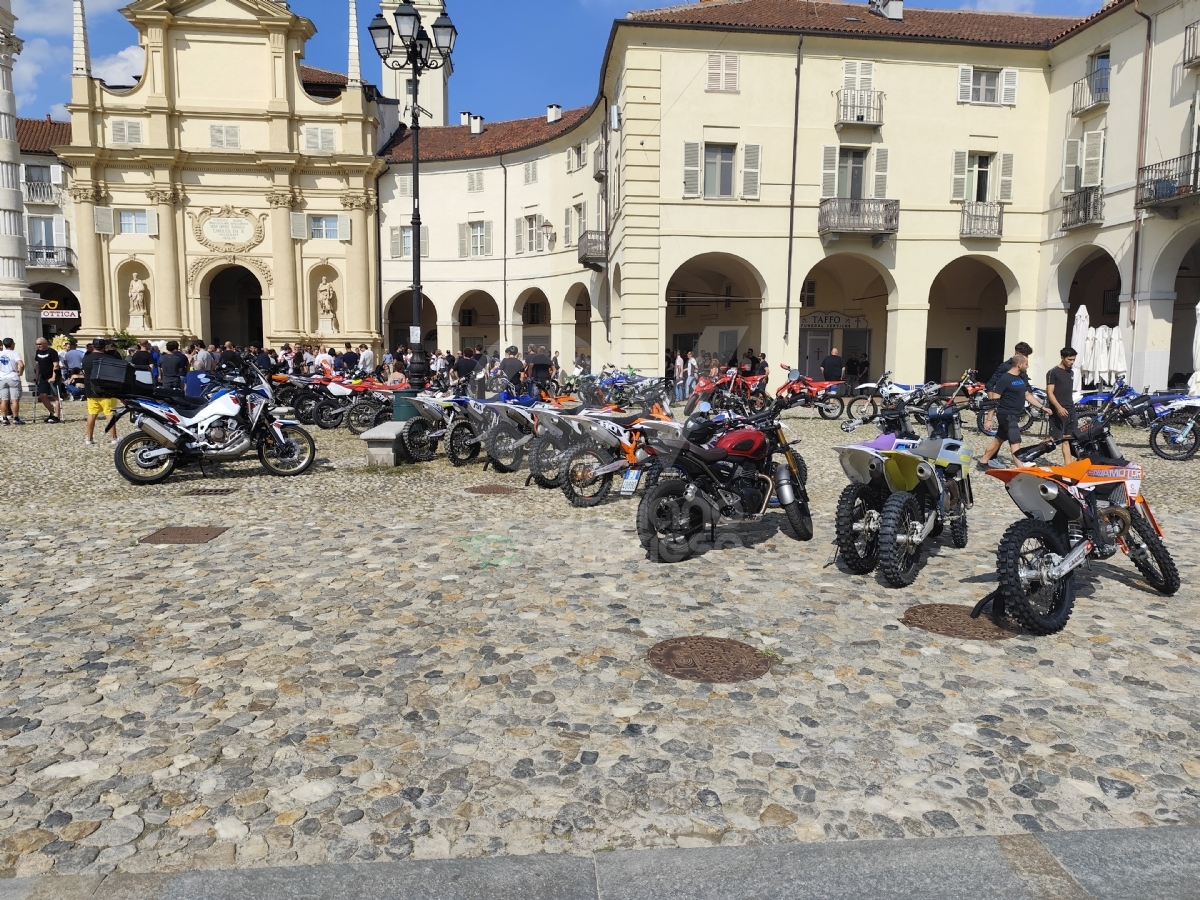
(1144, 508)
(784, 487)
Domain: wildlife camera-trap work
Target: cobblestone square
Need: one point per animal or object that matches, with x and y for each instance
(376, 665)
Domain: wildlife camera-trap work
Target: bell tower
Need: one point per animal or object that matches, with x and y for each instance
(435, 84)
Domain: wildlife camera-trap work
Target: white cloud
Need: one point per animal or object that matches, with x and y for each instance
(1015, 6)
(55, 16)
(123, 68)
(41, 66)
(59, 113)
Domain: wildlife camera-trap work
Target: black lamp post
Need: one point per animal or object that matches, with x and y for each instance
(415, 53)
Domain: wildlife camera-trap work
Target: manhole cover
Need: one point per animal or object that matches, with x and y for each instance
(183, 536)
(491, 489)
(211, 492)
(708, 659)
(956, 622)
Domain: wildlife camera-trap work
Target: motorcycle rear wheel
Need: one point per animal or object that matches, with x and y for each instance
(458, 450)
(502, 447)
(415, 436)
(1040, 608)
(667, 523)
(1165, 438)
(328, 415)
(831, 408)
(1152, 558)
(862, 408)
(981, 422)
(757, 402)
(136, 470)
(899, 562)
(287, 461)
(581, 486)
(546, 462)
(362, 417)
(304, 405)
(860, 551)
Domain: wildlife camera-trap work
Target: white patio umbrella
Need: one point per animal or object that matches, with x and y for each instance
(1089, 357)
(1100, 355)
(1116, 357)
(1079, 336)
(1194, 381)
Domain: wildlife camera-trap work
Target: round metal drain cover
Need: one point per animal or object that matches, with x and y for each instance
(708, 659)
(956, 622)
(492, 489)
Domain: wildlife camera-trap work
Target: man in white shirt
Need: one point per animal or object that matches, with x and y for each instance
(12, 367)
(692, 368)
(678, 376)
(366, 359)
(324, 361)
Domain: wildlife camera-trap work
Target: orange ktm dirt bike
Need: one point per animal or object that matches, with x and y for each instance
(1073, 514)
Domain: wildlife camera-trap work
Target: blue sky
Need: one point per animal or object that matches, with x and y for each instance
(512, 58)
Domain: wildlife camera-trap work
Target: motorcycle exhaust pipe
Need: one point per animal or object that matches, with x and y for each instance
(925, 472)
(163, 433)
(1063, 503)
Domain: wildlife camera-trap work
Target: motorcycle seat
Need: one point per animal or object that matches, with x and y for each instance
(715, 454)
(179, 400)
(624, 421)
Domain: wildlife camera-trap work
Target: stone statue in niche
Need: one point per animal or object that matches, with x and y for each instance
(326, 298)
(137, 296)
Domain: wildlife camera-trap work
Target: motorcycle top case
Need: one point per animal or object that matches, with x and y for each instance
(118, 378)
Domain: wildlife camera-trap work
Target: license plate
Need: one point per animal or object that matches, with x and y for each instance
(630, 483)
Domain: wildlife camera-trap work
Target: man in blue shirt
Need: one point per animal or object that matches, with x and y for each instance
(1014, 391)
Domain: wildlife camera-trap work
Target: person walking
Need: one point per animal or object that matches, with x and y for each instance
(97, 405)
(12, 367)
(692, 370)
(173, 367)
(1014, 391)
(1060, 390)
(46, 368)
(1021, 349)
(678, 373)
(833, 366)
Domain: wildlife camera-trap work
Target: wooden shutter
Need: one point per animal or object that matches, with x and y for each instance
(233, 137)
(133, 131)
(1070, 169)
(1006, 178)
(487, 238)
(567, 226)
(312, 138)
(527, 171)
(829, 171)
(519, 229)
(404, 185)
(881, 173)
(464, 240)
(424, 240)
(965, 76)
(583, 219)
(395, 242)
(103, 219)
(216, 135)
(731, 74)
(714, 72)
(343, 227)
(299, 223)
(152, 222)
(60, 231)
(119, 134)
(22, 173)
(1093, 159)
(538, 240)
(958, 176)
(751, 171)
(56, 175)
(866, 75)
(534, 164)
(850, 74)
(1008, 87)
(571, 159)
(691, 168)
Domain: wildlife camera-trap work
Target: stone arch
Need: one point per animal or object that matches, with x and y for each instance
(476, 317)
(126, 269)
(842, 301)
(59, 300)
(714, 305)
(576, 318)
(327, 326)
(532, 319)
(231, 300)
(398, 319)
(967, 325)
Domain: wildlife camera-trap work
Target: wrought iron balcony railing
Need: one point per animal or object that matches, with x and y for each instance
(41, 192)
(981, 219)
(860, 108)
(1191, 46)
(51, 258)
(592, 251)
(1170, 182)
(1090, 91)
(839, 215)
(1084, 207)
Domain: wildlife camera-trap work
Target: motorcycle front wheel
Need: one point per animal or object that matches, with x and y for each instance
(305, 403)
(460, 449)
(800, 518)
(134, 463)
(1167, 439)
(361, 417)
(862, 408)
(581, 485)
(757, 402)
(546, 462)
(981, 422)
(328, 415)
(1042, 607)
(694, 401)
(831, 408)
(415, 436)
(502, 447)
(1151, 556)
(898, 561)
(668, 523)
(295, 457)
(859, 548)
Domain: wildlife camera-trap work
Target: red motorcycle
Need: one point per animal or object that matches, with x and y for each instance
(734, 390)
(803, 392)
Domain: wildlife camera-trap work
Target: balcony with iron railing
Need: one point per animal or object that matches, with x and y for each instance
(1191, 46)
(860, 108)
(842, 215)
(1169, 183)
(40, 192)
(592, 251)
(599, 164)
(982, 220)
(1090, 92)
(51, 258)
(1084, 207)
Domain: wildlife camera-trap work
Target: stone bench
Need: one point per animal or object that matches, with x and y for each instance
(382, 441)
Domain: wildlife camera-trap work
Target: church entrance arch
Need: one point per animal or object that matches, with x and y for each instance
(235, 307)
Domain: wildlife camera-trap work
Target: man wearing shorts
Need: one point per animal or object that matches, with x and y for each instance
(12, 367)
(1060, 389)
(97, 405)
(45, 367)
(1014, 392)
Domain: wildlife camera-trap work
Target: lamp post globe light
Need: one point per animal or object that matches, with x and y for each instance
(415, 53)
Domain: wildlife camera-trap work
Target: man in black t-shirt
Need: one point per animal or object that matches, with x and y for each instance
(512, 367)
(229, 356)
(833, 366)
(538, 371)
(173, 366)
(1022, 349)
(97, 405)
(1014, 391)
(464, 366)
(142, 357)
(45, 367)
(1060, 390)
(349, 360)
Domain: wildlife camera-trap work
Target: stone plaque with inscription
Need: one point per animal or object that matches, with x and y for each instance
(222, 230)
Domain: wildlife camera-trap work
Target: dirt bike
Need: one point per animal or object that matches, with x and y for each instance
(802, 392)
(614, 442)
(1175, 434)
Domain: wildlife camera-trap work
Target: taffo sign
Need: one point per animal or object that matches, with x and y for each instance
(832, 320)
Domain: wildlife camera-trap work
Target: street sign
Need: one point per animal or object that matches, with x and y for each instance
(59, 314)
(414, 335)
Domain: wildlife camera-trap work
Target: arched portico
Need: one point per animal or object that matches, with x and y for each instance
(531, 320)
(231, 306)
(842, 302)
(398, 319)
(714, 306)
(969, 324)
(1168, 313)
(60, 313)
(476, 317)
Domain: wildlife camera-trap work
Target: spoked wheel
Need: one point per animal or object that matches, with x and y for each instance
(546, 460)
(958, 528)
(898, 556)
(305, 404)
(139, 461)
(417, 442)
(668, 523)
(361, 417)
(286, 394)
(1175, 437)
(831, 408)
(1041, 604)
(1151, 556)
(581, 485)
(862, 407)
(982, 423)
(460, 448)
(757, 402)
(328, 414)
(857, 526)
(502, 447)
(292, 457)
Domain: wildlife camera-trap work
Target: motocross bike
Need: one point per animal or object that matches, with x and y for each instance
(1175, 434)
(1073, 514)
(731, 481)
(869, 397)
(1031, 416)
(173, 430)
(801, 391)
(734, 390)
(615, 442)
(1125, 405)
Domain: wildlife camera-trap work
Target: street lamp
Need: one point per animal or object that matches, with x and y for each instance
(548, 232)
(415, 53)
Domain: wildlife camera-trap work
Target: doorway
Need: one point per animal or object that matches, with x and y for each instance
(935, 364)
(989, 351)
(816, 348)
(857, 343)
(235, 308)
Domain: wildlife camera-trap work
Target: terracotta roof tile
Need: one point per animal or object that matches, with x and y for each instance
(457, 142)
(41, 135)
(313, 75)
(853, 19)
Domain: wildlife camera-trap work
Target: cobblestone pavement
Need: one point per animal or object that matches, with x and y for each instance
(373, 665)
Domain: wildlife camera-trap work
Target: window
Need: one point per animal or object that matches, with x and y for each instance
(1098, 68)
(477, 246)
(718, 171)
(320, 140)
(474, 239)
(851, 170)
(581, 218)
(576, 157)
(722, 73)
(808, 294)
(125, 131)
(535, 314)
(132, 221)
(41, 231)
(531, 175)
(978, 178)
(227, 137)
(985, 84)
(322, 228)
(37, 174)
(532, 233)
(474, 182)
(466, 317)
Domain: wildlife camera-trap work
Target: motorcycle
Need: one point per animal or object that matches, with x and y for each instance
(173, 429)
(613, 443)
(1175, 434)
(805, 393)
